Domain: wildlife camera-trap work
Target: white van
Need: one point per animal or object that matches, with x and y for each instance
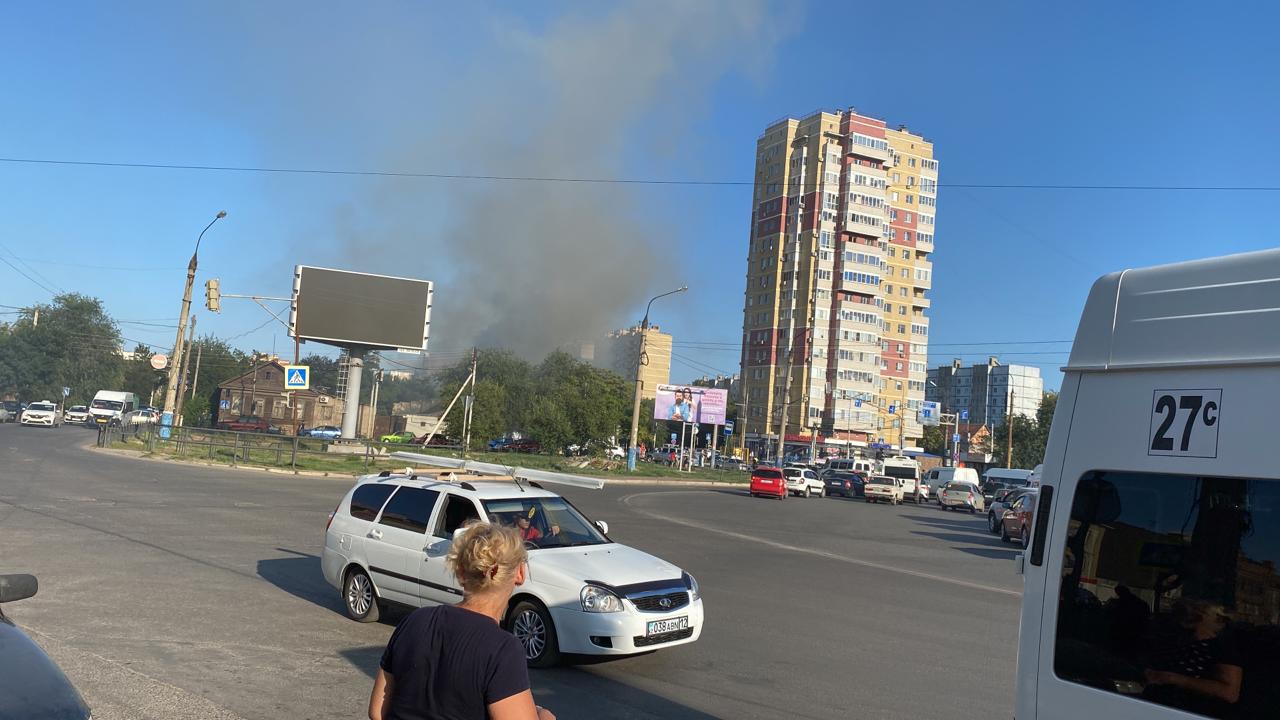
(1152, 580)
(938, 477)
(858, 465)
(109, 406)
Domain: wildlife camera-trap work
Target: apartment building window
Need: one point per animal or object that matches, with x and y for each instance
(902, 329)
(897, 178)
(926, 219)
(911, 199)
(888, 307)
(824, 274)
(895, 196)
(824, 239)
(824, 255)
(893, 214)
(906, 216)
(924, 237)
(926, 200)
(929, 164)
(893, 253)
(902, 291)
(764, 281)
(888, 289)
(906, 235)
(911, 162)
(911, 181)
(830, 201)
(906, 272)
(897, 367)
(831, 178)
(821, 314)
(864, 219)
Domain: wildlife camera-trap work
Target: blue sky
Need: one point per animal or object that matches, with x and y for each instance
(1010, 92)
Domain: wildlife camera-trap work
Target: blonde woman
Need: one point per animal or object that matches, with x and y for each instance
(455, 662)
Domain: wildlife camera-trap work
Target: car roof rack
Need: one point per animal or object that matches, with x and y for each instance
(516, 473)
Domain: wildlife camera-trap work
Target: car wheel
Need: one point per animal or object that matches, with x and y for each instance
(531, 624)
(359, 596)
(1026, 538)
(991, 522)
(972, 511)
(1004, 534)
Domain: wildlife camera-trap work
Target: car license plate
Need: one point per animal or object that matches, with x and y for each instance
(657, 627)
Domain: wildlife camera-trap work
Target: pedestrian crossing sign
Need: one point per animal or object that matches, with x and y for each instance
(297, 377)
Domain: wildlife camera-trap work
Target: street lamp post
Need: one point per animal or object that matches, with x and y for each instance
(171, 386)
(641, 361)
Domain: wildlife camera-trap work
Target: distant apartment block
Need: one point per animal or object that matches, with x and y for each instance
(837, 282)
(985, 391)
(620, 352)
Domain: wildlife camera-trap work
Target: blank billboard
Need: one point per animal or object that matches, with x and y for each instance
(340, 307)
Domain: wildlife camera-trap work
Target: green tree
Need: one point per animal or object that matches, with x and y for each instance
(75, 344)
(935, 440)
(324, 372)
(548, 423)
(139, 377)
(219, 362)
(487, 419)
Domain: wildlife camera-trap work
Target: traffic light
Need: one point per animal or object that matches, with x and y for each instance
(212, 295)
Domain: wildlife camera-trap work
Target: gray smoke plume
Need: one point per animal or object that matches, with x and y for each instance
(536, 266)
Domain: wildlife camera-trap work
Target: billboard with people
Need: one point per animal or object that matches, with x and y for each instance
(691, 404)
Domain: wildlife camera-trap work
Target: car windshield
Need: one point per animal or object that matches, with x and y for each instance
(77, 408)
(961, 487)
(768, 473)
(900, 472)
(545, 522)
(107, 405)
(881, 480)
(42, 407)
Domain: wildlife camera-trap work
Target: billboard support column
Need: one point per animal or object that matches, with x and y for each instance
(351, 412)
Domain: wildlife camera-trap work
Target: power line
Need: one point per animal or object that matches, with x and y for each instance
(36, 272)
(607, 181)
(95, 267)
(23, 274)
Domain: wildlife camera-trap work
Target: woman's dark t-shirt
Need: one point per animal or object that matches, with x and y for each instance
(451, 664)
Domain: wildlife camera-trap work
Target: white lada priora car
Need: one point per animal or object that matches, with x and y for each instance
(387, 541)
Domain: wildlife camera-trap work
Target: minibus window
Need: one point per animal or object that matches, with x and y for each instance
(1170, 591)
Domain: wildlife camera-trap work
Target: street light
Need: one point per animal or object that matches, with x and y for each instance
(641, 360)
(171, 386)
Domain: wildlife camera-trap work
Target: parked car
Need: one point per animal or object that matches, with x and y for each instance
(522, 446)
(498, 445)
(400, 438)
(32, 685)
(804, 482)
(844, 484)
(585, 593)
(326, 432)
(12, 409)
(141, 416)
(77, 415)
(1001, 501)
(437, 441)
(1016, 521)
(962, 496)
(246, 423)
(768, 482)
(883, 488)
(43, 414)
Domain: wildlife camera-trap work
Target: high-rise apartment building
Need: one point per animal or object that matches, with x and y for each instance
(984, 392)
(835, 328)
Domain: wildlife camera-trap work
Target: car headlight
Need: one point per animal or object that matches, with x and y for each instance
(596, 599)
(691, 583)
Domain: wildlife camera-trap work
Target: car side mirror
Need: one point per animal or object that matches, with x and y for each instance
(603, 526)
(17, 587)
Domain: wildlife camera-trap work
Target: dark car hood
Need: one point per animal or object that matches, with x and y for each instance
(31, 685)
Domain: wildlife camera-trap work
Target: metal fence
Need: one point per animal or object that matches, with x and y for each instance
(247, 448)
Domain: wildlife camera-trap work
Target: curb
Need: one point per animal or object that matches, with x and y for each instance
(143, 455)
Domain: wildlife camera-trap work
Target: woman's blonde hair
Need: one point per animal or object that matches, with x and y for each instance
(486, 556)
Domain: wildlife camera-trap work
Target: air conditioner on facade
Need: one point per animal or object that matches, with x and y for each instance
(323, 400)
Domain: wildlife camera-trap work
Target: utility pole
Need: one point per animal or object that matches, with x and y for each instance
(791, 315)
(1009, 457)
(746, 399)
(171, 385)
(186, 363)
(195, 376)
(471, 403)
(293, 405)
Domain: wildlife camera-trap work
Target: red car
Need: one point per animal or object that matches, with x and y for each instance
(1016, 522)
(245, 423)
(768, 481)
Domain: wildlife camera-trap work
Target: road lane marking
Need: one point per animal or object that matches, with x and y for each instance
(626, 500)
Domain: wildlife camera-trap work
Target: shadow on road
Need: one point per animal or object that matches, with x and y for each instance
(971, 538)
(571, 692)
(1004, 552)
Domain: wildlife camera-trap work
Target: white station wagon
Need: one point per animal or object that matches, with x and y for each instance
(585, 594)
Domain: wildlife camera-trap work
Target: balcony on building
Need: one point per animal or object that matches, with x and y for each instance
(863, 228)
(924, 245)
(867, 146)
(919, 300)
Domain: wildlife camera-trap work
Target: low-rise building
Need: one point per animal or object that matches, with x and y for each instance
(261, 392)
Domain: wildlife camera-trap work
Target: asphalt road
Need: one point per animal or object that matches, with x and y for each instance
(178, 591)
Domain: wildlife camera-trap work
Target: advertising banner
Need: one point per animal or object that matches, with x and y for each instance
(688, 403)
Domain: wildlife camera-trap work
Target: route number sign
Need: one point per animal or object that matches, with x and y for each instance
(1184, 423)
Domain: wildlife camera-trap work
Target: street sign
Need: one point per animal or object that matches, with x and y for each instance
(955, 438)
(708, 437)
(857, 403)
(728, 428)
(297, 377)
(930, 412)
(892, 409)
(159, 362)
(224, 404)
(673, 437)
(66, 391)
(964, 414)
